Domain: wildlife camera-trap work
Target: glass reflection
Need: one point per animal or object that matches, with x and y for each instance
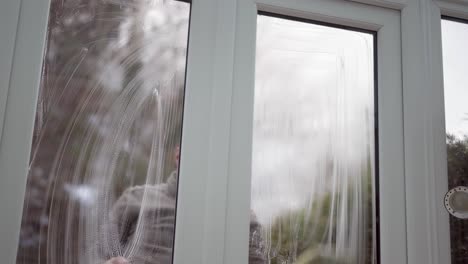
(103, 173)
(455, 41)
(313, 164)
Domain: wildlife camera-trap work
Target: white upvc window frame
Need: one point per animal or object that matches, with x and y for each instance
(206, 229)
(425, 159)
(425, 136)
(24, 33)
(386, 23)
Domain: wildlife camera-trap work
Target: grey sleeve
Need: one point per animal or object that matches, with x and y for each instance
(155, 246)
(155, 243)
(114, 226)
(151, 242)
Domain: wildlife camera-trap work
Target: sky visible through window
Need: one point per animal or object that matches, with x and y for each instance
(455, 50)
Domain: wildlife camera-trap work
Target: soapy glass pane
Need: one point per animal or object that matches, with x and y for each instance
(102, 180)
(313, 160)
(455, 54)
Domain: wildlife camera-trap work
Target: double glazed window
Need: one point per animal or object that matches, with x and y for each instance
(102, 183)
(102, 179)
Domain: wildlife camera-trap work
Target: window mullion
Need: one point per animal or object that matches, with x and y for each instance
(201, 209)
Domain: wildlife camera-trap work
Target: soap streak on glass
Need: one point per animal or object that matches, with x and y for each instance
(313, 157)
(109, 117)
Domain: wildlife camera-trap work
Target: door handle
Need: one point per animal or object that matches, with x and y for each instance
(456, 202)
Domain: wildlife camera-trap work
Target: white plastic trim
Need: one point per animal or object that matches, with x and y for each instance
(191, 208)
(394, 4)
(19, 117)
(454, 2)
(425, 147)
(453, 8)
(9, 16)
(201, 210)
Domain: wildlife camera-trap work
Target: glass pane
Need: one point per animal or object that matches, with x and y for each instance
(455, 54)
(313, 163)
(103, 172)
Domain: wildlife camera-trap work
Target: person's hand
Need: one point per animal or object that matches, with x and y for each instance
(117, 260)
(176, 157)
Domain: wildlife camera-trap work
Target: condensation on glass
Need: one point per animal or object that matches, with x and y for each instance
(455, 55)
(313, 193)
(102, 181)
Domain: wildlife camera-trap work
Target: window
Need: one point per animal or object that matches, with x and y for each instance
(103, 173)
(303, 141)
(313, 160)
(455, 41)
